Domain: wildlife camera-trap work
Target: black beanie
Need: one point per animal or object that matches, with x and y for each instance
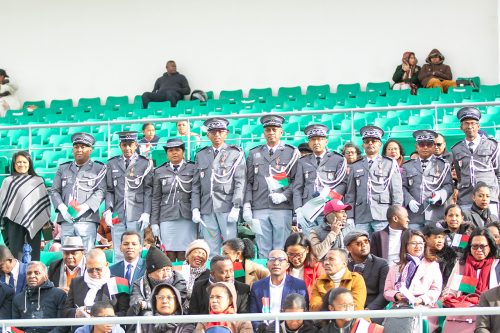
(156, 259)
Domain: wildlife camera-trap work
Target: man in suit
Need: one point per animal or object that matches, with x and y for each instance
(6, 296)
(373, 269)
(13, 272)
(268, 295)
(427, 182)
(218, 186)
(485, 323)
(319, 173)
(386, 243)
(132, 267)
(78, 189)
(373, 184)
(129, 182)
(266, 199)
(72, 264)
(221, 270)
(476, 158)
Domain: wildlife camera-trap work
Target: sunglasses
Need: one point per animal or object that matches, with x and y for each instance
(438, 144)
(426, 144)
(95, 270)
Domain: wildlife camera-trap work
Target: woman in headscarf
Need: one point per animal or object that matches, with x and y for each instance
(222, 300)
(8, 101)
(24, 208)
(196, 258)
(242, 250)
(406, 74)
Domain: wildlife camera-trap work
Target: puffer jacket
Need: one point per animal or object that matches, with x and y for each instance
(439, 71)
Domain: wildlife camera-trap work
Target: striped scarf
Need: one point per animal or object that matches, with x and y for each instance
(24, 200)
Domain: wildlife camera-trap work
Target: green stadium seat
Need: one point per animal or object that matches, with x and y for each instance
(386, 123)
(60, 104)
(459, 93)
(116, 102)
(89, 103)
(59, 141)
(231, 96)
(38, 104)
(290, 93)
(490, 91)
(48, 257)
(381, 88)
(52, 157)
(426, 95)
(46, 133)
(260, 94)
(396, 96)
(158, 155)
(347, 124)
(348, 90)
(417, 120)
(318, 91)
(327, 103)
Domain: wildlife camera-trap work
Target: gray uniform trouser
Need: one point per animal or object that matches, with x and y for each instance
(219, 230)
(117, 231)
(86, 230)
(276, 226)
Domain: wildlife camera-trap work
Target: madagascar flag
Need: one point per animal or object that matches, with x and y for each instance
(74, 208)
(16, 330)
(333, 196)
(460, 240)
(115, 219)
(466, 284)
(117, 285)
(239, 271)
(281, 178)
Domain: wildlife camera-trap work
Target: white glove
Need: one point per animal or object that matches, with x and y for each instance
(155, 228)
(301, 220)
(233, 215)
(324, 192)
(144, 220)
(434, 198)
(63, 209)
(108, 218)
(414, 206)
(83, 209)
(247, 213)
(278, 198)
(196, 216)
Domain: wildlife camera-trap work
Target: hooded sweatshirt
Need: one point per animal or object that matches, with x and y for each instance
(439, 71)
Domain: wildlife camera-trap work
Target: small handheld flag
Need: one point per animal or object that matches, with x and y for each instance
(73, 208)
(238, 269)
(460, 240)
(117, 285)
(466, 284)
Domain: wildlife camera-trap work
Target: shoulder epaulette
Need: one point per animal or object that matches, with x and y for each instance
(189, 162)
(493, 139)
(456, 144)
(289, 145)
(202, 148)
(410, 160)
(98, 162)
(69, 162)
(258, 146)
(236, 147)
(114, 157)
(439, 158)
(143, 157)
(161, 165)
(360, 158)
(386, 157)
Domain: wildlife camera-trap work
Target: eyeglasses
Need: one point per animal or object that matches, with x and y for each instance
(426, 144)
(295, 255)
(280, 260)
(438, 144)
(345, 306)
(481, 247)
(95, 269)
(162, 298)
(415, 244)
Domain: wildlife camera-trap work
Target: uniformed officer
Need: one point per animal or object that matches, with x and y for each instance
(218, 186)
(270, 173)
(475, 159)
(78, 189)
(319, 173)
(373, 184)
(427, 182)
(171, 210)
(129, 181)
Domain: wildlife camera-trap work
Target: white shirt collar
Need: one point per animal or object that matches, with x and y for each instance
(320, 156)
(180, 164)
(275, 147)
(271, 285)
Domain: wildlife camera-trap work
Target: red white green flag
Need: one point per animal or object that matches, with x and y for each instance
(238, 269)
(115, 219)
(73, 208)
(333, 196)
(118, 285)
(277, 181)
(460, 240)
(466, 284)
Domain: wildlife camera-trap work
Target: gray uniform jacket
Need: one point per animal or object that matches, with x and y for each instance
(172, 193)
(370, 203)
(129, 191)
(311, 178)
(483, 165)
(86, 184)
(258, 168)
(227, 188)
(419, 185)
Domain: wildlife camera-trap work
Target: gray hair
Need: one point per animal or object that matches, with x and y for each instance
(38, 263)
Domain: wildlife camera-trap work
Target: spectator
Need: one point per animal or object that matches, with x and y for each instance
(221, 270)
(105, 235)
(223, 301)
(242, 250)
(393, 149)
(293, 303)
(39, 300)
(158, 271)
(166, 301)
(372, 268)
(330, 233)
(304, 149)
(20, 192)
(72, 264)
(93, 286)
(172, 86)
(435, 73)
(454, 222)
(183, 130)
(197, 254)
(341, 299)
(101, 309)
(437, 248)
(494, 228)
(149, 140)
(440, 149)
(374, 184)
(12, 271)
(268, 295)
(132, 267)
(338, 275)
(6, 296)
(406, 74)
(304, 264)
(480, 213)
(351, 152)
(414, 155)
(419, 275)
(8, 100)
(488, 323)
(479, 261)
(386, 243)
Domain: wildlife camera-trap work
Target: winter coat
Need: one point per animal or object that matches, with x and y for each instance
(446, 259)
(439, 71)
(307, 327)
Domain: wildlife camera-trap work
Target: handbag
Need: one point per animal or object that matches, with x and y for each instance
(463, 301)
(459, 324)
(400, 324)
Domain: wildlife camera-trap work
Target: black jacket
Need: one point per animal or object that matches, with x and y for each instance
(446, 259)
(6, 296)
(45, 301)
(307, 327)
(199, 298)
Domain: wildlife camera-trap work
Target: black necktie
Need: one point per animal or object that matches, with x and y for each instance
(127, 162)
(424, 164)
(471, 147)
(216, 152)
(318, 160)
(11, 279)
(176, 167)
(271, 152)
(370, 162)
